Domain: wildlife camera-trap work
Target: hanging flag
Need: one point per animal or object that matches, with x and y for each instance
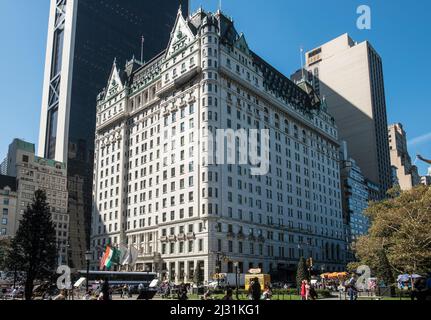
(131, 257)
(106, 256)
(126, 258)
(124, 251)
(111, 257)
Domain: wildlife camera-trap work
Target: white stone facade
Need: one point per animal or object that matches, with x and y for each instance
(154, 189)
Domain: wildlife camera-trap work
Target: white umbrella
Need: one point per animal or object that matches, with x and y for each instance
(403, 278)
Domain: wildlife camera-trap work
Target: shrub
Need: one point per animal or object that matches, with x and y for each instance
(324, 293)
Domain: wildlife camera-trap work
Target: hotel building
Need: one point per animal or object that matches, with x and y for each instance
(155, 189)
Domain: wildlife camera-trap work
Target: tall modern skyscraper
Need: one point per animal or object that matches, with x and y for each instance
(84, 37)
(350, 77)
(407, 173)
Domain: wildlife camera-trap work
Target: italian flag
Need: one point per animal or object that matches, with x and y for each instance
(110, 257)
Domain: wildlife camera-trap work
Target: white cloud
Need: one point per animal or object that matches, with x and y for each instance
(420, 140)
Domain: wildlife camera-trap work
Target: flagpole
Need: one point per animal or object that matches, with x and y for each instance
(142, 49)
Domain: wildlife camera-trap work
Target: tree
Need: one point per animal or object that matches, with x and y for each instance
(196, 279)
(399, 239)
(33, 250)
(4, 248)
(301, 272)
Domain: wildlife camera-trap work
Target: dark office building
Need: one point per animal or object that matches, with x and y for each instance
(84, 37)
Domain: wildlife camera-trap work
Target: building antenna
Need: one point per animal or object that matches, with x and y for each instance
(301, 52)
(142, 49)
(219, 5)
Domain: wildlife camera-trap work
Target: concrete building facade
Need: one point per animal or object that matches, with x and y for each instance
(84, 36)
(8, 203)
(407, 173)
(426, 180)
(356, 197)
(154, 188)
(349, 76)
(34, 173)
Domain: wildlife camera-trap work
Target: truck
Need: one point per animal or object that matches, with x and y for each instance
(263, 279)
(224, 280)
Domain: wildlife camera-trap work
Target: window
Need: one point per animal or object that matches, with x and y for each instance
(4, 221)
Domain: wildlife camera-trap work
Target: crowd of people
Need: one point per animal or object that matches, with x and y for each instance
(418, 287)
(308, 291)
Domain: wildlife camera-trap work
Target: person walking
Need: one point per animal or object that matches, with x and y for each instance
(106, 291)
(352, 292)
(307, 290)
(229, 295)
(267, 294)
(182, 292)
(255, 290)
(313, 293)
(419, 290)
(14, 293)
(303, 291)
(60, 296)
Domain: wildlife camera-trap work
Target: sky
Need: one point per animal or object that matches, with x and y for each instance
(275, 29)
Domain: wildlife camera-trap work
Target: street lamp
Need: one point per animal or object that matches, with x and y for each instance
(218, 269)
(236, 264)
(88, 259)
(322, 268)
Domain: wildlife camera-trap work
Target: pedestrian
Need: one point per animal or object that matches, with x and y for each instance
(207, 295)
(106, 291)
(60, 296)
(267, 294)
(307, 290)
(125, 292)
(14, 293)
(313, 293)
(255, 290)
(352, 292)
(303, 291)
(229, 295)
(182, 292)
(88, 295)
(419, 290)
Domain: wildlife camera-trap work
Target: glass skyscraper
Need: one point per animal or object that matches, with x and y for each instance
(84, 37)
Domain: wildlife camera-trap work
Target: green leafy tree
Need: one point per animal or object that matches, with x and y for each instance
(301, 272)
(4, 248)
(196, 276)
(33, 250)
(399, 239)
(353, 266)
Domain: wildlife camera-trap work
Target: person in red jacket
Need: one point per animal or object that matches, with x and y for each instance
(303, 290)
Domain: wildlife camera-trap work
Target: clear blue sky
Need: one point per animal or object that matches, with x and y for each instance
(274, 28)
